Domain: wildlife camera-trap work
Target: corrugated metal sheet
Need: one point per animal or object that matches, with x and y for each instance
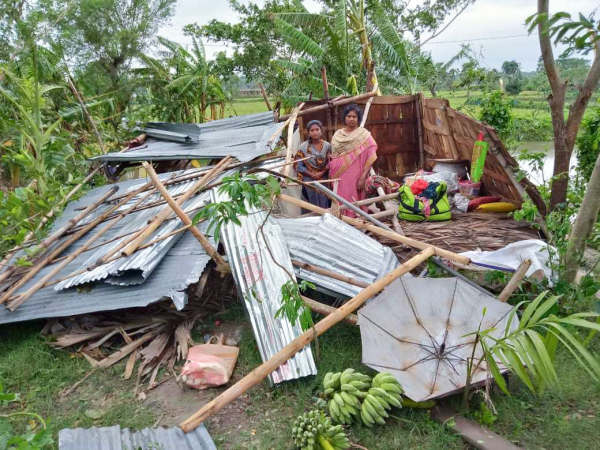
(136, 268)
(115, 438)
(259, 277)
(331, 244)
(245, 138)
(174, 266)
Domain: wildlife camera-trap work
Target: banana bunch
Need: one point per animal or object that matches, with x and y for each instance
(313, 431)
(345, 390)
(383, 395)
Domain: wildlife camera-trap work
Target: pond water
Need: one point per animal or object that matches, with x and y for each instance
(546, 147)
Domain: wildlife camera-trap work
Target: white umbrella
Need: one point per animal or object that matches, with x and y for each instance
(416, 329)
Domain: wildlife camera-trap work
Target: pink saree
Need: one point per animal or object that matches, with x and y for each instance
(348, 167)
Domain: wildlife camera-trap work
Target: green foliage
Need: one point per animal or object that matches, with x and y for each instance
(484, 415)
(181, 84)
(292, 305)
(497, 112)
(532, 128)
(580, 36)
(33, 437)
(529, 350)
(588, 143)
(244, 192)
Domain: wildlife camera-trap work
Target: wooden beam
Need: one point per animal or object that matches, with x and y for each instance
(290, 135)
(515, 281)
(376, 230)
(326, 310)
(264, 94)
(329, 273)
(222, 266)
(262, 371)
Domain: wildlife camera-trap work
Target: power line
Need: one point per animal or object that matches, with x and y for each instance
(476, 39)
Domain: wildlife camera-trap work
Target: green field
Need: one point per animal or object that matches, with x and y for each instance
(243, 106)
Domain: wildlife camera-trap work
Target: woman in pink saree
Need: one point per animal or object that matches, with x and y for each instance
(353, 153)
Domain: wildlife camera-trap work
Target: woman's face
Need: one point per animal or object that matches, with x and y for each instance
(352, 119)
(315, 132)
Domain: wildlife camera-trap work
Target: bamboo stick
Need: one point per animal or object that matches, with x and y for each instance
(386, 213)
(515, 281)
(166, 212)
(290, 136)
(329, 130)
(222, 266)
(332, 104)
(262, 371)
(264, 94)
(55, 236)
(57, 251)
(14, 304)
(419, 105)
(366, 113)
(376, 230)
(326, 310)
(370, 201)
(329, 273)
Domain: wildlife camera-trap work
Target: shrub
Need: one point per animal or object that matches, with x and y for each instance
(496, 111)
(588, 143)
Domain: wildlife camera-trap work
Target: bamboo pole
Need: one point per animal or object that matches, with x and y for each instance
(329, 130)
(222, 266)
(15, 303)
(382, 214)
(515, 281)
(332, 104)
(329, 273)
(290, 136)
(262, 371)
(326, 310)
(85, 112)
(381, 232)
(370, 201)
(57, 251)
(419, 103)
(54, 236)
(264, 94)
(166, 212)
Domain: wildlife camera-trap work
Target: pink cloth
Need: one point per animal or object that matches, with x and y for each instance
(346, 187)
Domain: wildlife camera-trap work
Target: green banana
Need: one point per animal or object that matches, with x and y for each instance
(392, 387)
(348, 388)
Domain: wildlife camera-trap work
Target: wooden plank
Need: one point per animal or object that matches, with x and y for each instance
(438, 129)
(475, 434)
(436, 103)
(429, 149)
(390, 121)
(496, 176)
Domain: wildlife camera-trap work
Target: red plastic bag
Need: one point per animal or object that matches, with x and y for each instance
(209, 365)
(418, 186)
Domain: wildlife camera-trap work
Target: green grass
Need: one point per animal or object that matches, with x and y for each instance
(243, 106)
(556, 420)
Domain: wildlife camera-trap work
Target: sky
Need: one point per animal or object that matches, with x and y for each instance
(496, 29)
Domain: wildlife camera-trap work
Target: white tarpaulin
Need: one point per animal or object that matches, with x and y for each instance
(511, 256)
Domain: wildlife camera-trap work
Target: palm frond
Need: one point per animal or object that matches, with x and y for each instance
(297, 39)
(303, 19)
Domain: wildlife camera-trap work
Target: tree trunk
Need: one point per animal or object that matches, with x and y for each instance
(584, 224)
(562, 157)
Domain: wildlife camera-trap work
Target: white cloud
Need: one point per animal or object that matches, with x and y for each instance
(485, 19)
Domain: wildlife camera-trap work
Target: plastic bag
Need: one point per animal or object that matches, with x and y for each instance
(209, 364)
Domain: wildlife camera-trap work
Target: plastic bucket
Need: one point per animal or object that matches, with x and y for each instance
(468, 188)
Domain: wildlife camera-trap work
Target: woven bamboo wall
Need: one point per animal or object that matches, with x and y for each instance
(449, 134)
(446, 134)
(393, 123)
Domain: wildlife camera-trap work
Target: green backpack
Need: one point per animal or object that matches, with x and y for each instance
(412, 209)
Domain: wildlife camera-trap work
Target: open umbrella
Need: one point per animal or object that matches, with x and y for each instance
(416, 329)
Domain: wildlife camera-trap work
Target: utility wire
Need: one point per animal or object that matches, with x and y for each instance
(476, 39)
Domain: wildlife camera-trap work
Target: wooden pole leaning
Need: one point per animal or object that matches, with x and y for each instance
(167, 211)
(381, 232)
(264, 95)
(290, 136)
(222, 266)
(325, 310)
(515, 281)
(329, 273)
(262, 371)
(333, 103)
(58, 250)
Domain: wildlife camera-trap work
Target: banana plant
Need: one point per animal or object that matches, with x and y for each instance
(182, 83)
(28, 98)
(529, 350)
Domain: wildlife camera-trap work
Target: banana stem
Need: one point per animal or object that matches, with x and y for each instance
(324, 443)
